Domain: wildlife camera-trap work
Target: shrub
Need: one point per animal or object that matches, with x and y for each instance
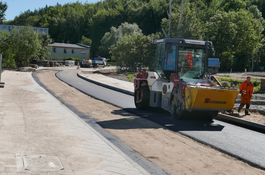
(72, 58)
(131, 76)
(237, 83)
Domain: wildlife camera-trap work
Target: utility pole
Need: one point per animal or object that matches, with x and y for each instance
(170, 18)
(1, 83)
(252, 59)
(0, 66)
(181, 12)
(169, 28)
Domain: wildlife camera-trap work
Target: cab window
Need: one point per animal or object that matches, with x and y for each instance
(191, 62)
(159, 56)
(170, 58)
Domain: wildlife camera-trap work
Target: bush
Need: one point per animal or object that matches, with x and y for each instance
(255, 81)
(72, 58)
(9, 63)
(131, 76)
(133, 52)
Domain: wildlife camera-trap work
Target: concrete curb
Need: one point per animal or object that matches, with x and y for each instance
(254, 102)
(240, 122)
(105, 85)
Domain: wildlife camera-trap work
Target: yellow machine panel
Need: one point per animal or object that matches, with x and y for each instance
(210, 99)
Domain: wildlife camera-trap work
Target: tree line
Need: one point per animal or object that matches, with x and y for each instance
(23, 45)
(125, 30)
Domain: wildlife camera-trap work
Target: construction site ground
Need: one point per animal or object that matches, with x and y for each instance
(175, 153)
(256, 116)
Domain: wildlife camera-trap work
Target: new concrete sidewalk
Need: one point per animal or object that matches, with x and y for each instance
(112, 83)
(39, 135)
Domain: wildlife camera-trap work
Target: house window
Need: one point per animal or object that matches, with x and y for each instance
(64, 51)
(54, 50)
(83, 52)
(73, 51)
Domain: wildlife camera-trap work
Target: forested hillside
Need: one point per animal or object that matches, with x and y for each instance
(235, 26)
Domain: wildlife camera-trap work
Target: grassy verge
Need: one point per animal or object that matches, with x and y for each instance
(131, 76)
(237, 82)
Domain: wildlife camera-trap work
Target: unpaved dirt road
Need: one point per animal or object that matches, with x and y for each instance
(171, 151)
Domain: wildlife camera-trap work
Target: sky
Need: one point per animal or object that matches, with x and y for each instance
(16, 7)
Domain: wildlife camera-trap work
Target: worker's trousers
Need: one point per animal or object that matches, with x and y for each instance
(242, 105)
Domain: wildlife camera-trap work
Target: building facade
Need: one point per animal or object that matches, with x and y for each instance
(9, 28)
(66, 50)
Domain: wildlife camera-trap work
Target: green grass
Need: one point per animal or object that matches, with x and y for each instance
(237, 82)
(256, 88)
(131, 76)
(255, 79)
(227, 75)
(230, 80)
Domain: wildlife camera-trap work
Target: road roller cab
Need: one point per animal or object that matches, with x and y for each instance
(180, 82)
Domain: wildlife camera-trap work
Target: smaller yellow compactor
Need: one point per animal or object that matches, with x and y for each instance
(180, 83)
(209, 98)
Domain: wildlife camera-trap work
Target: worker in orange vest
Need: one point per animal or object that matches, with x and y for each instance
(246, 90)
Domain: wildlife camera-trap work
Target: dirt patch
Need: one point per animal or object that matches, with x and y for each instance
(115, 74)
(169, 150)
(111, 73)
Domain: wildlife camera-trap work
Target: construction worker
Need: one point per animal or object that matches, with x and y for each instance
(246, 90)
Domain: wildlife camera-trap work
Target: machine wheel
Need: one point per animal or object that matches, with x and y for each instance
(176, 110)
(141, 97)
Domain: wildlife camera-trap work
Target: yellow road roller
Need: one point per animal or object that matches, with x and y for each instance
(180, 82)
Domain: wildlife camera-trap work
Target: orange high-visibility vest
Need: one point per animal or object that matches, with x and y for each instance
(245, 97)
(188, 57)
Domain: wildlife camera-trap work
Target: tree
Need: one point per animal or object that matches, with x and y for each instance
(235, 36)
(134, 52)
(111, 38)
(100, 24)
(191, 27)
(33, 20)
(234, 5)
(44, 48)
(260, 4)
(147, 14)
(27, 45)
(86, 41)
(71, 21)
(6, 50)
(3, 8)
